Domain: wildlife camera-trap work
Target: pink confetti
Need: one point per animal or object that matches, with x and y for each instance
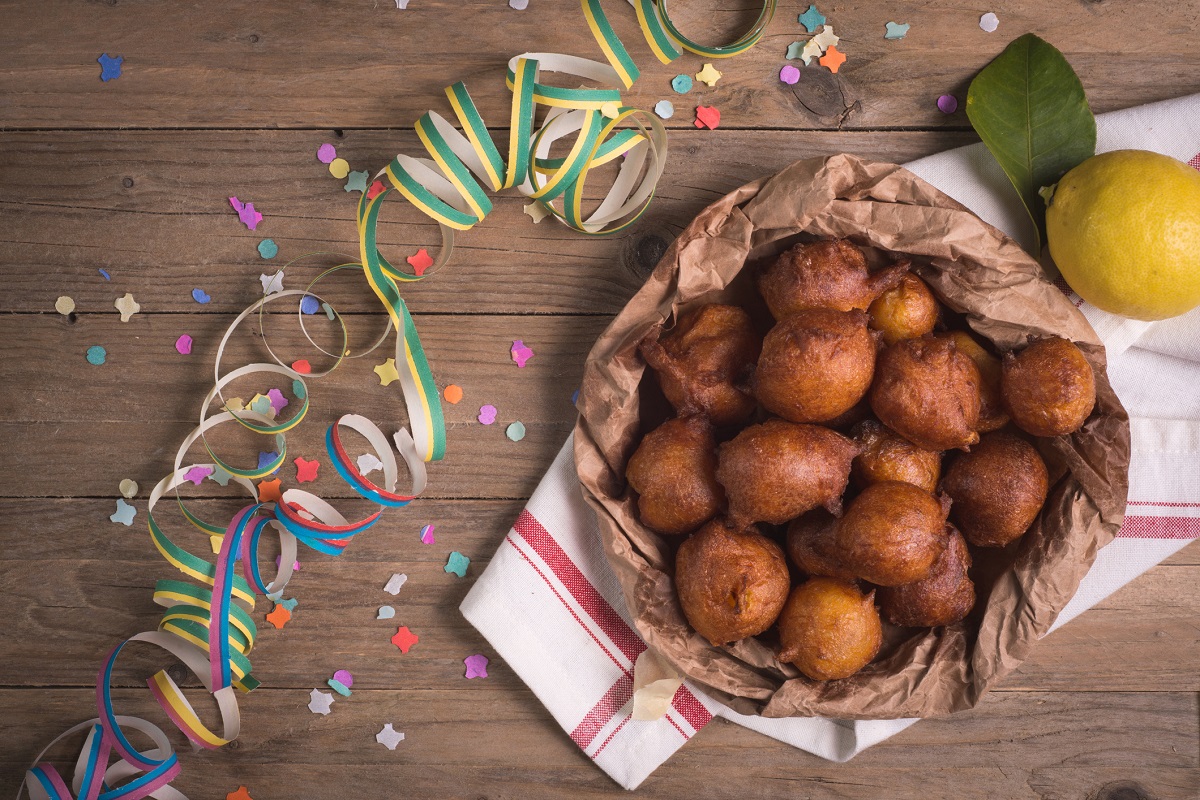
(278, 401)
(520, 353)
(947, 104)
(789, 75)
(420, 261)
(184, 345)
(427, 535)
(295, 564)
(344, 677)
(197, 474)
(246, 213)
(476, 666)
(326, 153)
(487, 414)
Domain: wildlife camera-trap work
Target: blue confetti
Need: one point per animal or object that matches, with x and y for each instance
(309, 304)
(682, 83)
(200, 296)
(222, 477)
(457, 564)
(575, 397)
(812, 19)
(298, 389)
(896, 30)
(110, 67)
(96, 355)
(289, 604)
(265, 459)
(104, 272)
(125, 513)
(357, 181)
(262, 405)
(267, 248)
(664, 108)
(338, 687)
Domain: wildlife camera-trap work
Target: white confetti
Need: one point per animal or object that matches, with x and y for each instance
(664, 109)
(368, 463)
(395, 582)
(989, 22)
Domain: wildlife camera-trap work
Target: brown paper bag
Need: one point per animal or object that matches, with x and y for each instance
(975, 270)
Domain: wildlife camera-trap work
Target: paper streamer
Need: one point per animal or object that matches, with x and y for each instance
(207, 624)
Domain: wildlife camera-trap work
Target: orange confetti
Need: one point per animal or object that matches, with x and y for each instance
(420, 262)
(832, 59)
(242, 793)
(452, 393)
(278, 617)
(269, 491)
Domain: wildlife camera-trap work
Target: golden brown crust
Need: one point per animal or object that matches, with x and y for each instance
(998, 489)
(905, 311)
(705, 363)
(815, 365)
(731, 584)
(945, 597)
(992, 415)
(674, 472)
(776, 471)
(928, 392)
(1049, 388)
(892, 533)
(812, 545)
(887, 456)
(829, 629)
(831, 273)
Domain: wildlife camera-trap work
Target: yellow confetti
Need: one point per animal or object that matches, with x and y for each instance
(128, 488)
(387, 372)
(339, 168)
(127, 306)
(610, 110)
(536, 211)
(235, 404)
(64, 305)
(812, 49)
(709, 75)
(826, 38)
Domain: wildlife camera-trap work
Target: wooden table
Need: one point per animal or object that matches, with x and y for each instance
(132, 176)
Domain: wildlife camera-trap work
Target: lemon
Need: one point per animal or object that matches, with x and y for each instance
(1124, 229)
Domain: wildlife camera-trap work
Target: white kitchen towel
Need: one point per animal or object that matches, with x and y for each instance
(551, 607)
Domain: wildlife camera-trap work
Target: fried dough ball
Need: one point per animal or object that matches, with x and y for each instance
(928, 392)
(1048, 388)
(905, 311)
(943, 598)
(829, 629)
(815, 365)
(674, 472)
(830, 273)
(812, 545)
(991, 410)
(732, 584)
(998, 489)
(892, 533)
(705, 363)
(776, 471)
(888, 456)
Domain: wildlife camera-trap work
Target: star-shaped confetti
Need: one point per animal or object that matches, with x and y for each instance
(197, 474)
(221, 476)
(394, 583)
(110, 67)
(420, 261)
(457, 564)
(269, 491)
(709, 75)
(375, 189)
(405, 639)
(265, 459)
(812, 49)
(387, 372)
(520, 353)
(389, 737)
(279, 616)
(357, 181)
(320, 702)
(306, 470)
(246, 213)
(368, 463)
(476, 666)
(242, 793)
(827, 38)
(289, 604)
(664, 109)
(271, 283)
(833, 59)
(535, 211)
(127, 306)
(811, 19)
(124, 513)
(794, 49)
(184, 345)
(896, 30)
(277, 400)
(707, 117)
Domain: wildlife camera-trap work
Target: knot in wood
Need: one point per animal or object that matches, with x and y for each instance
(1122, 790)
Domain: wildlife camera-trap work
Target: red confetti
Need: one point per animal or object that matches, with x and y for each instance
(241, 794)
(375, 189)
(420, 262)
(306, 470)
(405, 639)
(302, 366)
(707, 117)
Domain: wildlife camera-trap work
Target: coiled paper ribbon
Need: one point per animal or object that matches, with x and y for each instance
(203, 626)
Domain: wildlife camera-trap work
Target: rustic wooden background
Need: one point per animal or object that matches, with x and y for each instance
(233, 98)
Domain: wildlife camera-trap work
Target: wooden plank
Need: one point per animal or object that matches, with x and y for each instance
(1016, 745)
(353, 65)
(151, 208)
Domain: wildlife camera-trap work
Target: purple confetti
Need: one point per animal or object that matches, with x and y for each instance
(476, 666)
(184, 345)
(326, 153)
(278, 401)
(104, 272)
(487, 414)
(197, 474)
(427, 535)
(344, 677)
(947, 104)
(520, 353)
(789, 75)
(246, 213)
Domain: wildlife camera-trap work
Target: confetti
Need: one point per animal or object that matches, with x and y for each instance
(326, 153)
(896, 30)
(789, 75)
(394, 583)
(709, 75)
(127, 306)
(420, 261)
(811, 50)
(811, 18)
(487, 414)
(989, 22)
(184, 345)
(96, 355)
(268, 249)
(518, 5)
(309, 305)
(402, 4)
(375, 189)
(320, 702)
(290, 605)
(298, 389)
(269, 491)
(104, 274)
(453, 393)
(833, 59)
(427, 535)
(405, 639)
(357, 181)
(520, 353)
(368, 463)
(279, 616)
(947, 104)
(328, 311)
(265, 459)
(341, 682)
(457, 564)
(476, 666)
(221, 476)
(302, 366)
(826, 38)
(389, 737)
(128, 488)
(261, 404)
(795, 49)
(110, 67)
(385, 612)
(306, 471)
(387, 372)
(682, 84)
(277, 400)
(242, 793)
(124, 514)
(200, 296)
(271, 283)
(64, 305)
(246, 213)
(535, 211)
(295, 568)
(339, 168)
(515, 431)
(197, 473)
(574, 397)
(664, 109)
(610, 110)
(707, 117)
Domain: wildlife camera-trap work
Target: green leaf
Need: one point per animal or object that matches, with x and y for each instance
(1029, 108)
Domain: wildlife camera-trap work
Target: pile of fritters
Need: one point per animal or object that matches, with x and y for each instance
(845, 468)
